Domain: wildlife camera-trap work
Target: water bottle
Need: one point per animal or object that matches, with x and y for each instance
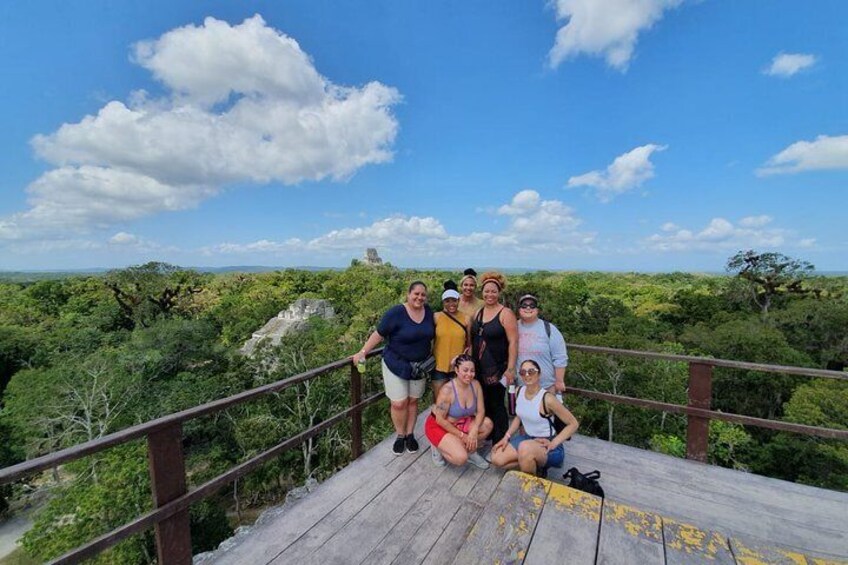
(361, 366)
(511, 395)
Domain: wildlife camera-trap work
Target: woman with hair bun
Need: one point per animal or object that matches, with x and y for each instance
(469, 304)
(452, 336)
(494, 334)
(458, 422)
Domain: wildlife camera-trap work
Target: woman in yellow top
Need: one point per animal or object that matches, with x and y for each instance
(452, 337)
(469, 304)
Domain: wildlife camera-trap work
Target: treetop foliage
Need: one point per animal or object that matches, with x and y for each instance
(84, 356)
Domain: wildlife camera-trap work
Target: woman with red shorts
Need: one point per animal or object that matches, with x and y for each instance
(458, 422)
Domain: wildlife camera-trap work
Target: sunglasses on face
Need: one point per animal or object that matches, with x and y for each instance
(529, 305)
(531, 371)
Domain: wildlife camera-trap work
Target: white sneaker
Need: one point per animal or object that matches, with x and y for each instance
(438, 460)
(477, 460)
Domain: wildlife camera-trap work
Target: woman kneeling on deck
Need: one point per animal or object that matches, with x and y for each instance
(458, 423)
(538, 447)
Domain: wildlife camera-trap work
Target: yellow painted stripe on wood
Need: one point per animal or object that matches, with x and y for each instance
(578, 502)
(532, 483)
(691, 539)
(634, 521)
(766, 555)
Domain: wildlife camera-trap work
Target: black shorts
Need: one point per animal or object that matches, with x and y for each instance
(438, 376)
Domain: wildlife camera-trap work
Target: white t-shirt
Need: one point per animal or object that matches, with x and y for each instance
(548, 352)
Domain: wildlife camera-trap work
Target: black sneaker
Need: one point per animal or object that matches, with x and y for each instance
(411, 444)
(398, 446)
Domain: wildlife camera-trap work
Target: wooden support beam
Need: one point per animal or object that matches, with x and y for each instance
(168, 482)
(700, 396)
(356, 416)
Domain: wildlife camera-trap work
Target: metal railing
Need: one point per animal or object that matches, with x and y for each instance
(164, 436)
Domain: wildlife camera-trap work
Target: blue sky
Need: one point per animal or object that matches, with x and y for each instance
(647, 135)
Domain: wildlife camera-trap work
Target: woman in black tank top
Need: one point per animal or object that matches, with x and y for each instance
(495, 347)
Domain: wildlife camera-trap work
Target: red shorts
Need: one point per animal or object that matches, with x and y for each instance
(435, 432)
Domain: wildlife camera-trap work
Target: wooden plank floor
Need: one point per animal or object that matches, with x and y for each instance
(658, 509)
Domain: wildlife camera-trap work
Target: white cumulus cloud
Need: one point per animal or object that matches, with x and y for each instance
(720, 234)
(787, 64)
(535, 226)
(608, 28)
(824, 152)
(244, 104)
(626, 172)
(522, 203)
(123, 238)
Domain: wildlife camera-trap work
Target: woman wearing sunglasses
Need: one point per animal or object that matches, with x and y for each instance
(542, 342)
(538, 447)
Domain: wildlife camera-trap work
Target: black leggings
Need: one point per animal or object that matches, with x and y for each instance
(493, 399)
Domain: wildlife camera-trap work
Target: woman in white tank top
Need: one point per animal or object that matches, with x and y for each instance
(538, 447)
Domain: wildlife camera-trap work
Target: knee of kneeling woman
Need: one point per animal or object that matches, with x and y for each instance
(487, 426)
(458, 458)
(525, 450)
(500, 458)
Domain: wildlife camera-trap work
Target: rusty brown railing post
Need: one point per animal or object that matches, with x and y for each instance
(700, 396)
(356, 416)
(168, 481)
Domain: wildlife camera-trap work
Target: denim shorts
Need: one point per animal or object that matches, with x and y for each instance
(555, 457)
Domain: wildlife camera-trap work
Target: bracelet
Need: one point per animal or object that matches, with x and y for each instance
(508, 436)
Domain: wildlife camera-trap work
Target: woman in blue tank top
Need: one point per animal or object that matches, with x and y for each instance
(458, 422)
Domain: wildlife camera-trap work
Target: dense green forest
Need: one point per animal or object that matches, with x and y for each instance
(84, 356)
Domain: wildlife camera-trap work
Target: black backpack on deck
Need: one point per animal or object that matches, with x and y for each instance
(587, 483)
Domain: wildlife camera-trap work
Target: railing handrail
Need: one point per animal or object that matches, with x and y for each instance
(50, 460)
(728, 363)
(172, 499)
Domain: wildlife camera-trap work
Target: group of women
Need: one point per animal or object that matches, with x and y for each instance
(474, 343)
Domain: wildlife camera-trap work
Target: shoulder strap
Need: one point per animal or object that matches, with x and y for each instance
(460, 324)
(547, 328)
(545, 412)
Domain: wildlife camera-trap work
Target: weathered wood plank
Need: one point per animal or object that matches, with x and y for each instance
(453, 538)
(568, 528)
(629, 535)
(419, 528)
(503, 532)
(718, 499)
(749, 551)
(353, 540)
(709, 477)
(686, 544)
(486, 486)
(343, 493)
(445, 534)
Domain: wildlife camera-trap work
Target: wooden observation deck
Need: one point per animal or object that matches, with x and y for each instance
(387, 509)
(658, 510)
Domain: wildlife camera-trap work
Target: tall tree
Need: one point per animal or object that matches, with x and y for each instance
(153, 290)
(769, 275)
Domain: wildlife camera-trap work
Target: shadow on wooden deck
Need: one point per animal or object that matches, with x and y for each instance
(659, 509)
